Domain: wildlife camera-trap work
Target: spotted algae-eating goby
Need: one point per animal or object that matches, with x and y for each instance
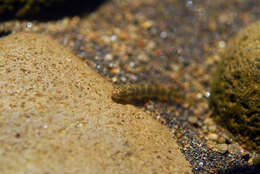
(141, 92)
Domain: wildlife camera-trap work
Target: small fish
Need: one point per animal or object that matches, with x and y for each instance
(141, 92)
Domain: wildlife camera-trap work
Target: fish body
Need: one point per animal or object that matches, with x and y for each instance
(141, 92)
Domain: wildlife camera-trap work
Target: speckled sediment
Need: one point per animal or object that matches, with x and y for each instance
(57, 116)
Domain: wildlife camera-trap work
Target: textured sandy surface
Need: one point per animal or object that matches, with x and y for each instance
(57, 116)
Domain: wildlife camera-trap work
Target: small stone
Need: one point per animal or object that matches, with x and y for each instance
(212, 25)
(234, 148)
(193, 119)
(221, 140)
(108, 57)
(213, 136)
(142, 57)
(212, 128)
(205, 128)
(222, 148)
(163, 34)
(150, 45)
(147, 24)
(122, 36)
(114, 79)
(209, 121)
(115, 70)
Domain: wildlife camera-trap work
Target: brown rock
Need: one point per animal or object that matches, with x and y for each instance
(235, 88)
(57, 116)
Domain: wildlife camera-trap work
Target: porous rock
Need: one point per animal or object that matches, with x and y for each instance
(57, 116)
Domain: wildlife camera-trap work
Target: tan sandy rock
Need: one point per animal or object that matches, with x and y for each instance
(57, 116)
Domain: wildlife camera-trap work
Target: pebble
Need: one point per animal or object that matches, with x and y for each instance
(108, 57)
(147, 24)
(221, 140)
(222, 148)
(234, 148)
(212, 128)
(209, 121)
(193, 119)
(142, 57)
(213, 136)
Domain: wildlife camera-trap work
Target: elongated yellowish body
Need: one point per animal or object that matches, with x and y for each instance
(141, 92)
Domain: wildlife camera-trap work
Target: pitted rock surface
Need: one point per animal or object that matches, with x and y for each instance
(57, 116)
